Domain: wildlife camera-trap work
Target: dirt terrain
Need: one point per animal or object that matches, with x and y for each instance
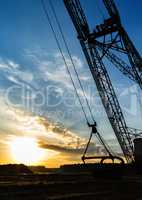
(69, 186)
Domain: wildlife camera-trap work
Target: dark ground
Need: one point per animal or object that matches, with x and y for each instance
(69, 186)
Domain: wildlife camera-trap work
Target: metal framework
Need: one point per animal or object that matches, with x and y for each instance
(105, 40)
(111, 156)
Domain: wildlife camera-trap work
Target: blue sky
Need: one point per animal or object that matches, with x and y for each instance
(29, 58)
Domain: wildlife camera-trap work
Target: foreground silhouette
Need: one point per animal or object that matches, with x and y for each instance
(73, 182)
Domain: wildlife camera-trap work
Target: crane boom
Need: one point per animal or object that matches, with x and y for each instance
(133, 55)
(101, 77)
(111, 8)
(121, 65)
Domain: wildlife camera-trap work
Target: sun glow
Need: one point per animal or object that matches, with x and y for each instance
(25, 150)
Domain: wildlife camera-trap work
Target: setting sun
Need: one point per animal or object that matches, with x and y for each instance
(25, 150)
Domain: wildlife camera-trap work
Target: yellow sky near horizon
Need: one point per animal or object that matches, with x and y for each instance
(16, 125)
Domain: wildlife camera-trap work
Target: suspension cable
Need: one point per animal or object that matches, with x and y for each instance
(64, 59)
(106, 146)
(71, 58)
(87, 146)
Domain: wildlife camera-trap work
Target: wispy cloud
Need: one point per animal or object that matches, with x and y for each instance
(8, 64)
(51, 67)
(18, 122)
(15, 72)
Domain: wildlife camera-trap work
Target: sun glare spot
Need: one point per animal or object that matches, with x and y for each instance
(25, 150)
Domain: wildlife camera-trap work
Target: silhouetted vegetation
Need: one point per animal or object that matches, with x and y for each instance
(42, 169)
(14, 169)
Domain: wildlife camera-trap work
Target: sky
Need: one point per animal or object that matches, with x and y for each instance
(36, 95)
